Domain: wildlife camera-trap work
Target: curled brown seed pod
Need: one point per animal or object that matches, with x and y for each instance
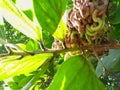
(67, 42)
(89, 20)
(102, 11)
(80, 9)
(87, 2)
(71, 15)
(100, 2)
(86, 14)
(80, 27)
(73, 35)
(78, 16)
(69, 24)
(91, 5)
(84, 22)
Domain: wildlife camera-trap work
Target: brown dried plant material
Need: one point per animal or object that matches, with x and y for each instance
(81, 16)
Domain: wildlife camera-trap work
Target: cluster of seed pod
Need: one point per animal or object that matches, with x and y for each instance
(86, 22)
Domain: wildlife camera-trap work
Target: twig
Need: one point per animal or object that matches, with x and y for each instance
(89, 48)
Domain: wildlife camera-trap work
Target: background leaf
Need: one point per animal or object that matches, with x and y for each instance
(111, 62)
(10, 67)
(116, 32)
(49, 13)
(115, 16)
(18, 82)
(76, 74)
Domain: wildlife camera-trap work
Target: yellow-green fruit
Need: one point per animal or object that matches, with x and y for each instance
(67, 55)
(70, 54)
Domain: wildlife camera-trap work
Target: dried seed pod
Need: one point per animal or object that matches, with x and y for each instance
(89, 20)
(80, 27)
(67, 42)
(91, 6)
(86, 13)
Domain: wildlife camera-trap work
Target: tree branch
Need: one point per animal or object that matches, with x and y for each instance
(99, 48)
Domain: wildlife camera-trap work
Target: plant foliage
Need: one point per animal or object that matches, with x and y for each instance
(59, 44)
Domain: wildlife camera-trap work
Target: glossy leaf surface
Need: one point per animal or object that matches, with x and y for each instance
(49, 13)
(76, 74)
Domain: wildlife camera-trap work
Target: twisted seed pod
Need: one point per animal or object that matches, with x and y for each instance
(91, 6)
(88, 39)
(90, 32)
(73, 34)
(74, 37)
(98, 20)
(80, 27)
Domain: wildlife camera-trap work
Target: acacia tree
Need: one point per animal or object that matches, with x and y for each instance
(84, 50)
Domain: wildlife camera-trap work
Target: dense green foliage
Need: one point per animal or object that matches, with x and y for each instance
(33, 55)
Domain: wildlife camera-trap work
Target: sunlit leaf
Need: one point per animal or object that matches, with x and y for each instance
(49, 13)
(19, 20)
(10, 67)
(32, 45)
(22, 46)
(76, 74)
(61, 31)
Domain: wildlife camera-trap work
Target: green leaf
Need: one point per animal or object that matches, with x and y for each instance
(116, 32)
(115, 17)
(48, 39)
(18, 82)
(27, 9)
(29, 14)
(70, 4)
(9, 67)
(19, 20)
(32, 45)
(49, 13)
(111, 62)
(76, 74)
(61, 31)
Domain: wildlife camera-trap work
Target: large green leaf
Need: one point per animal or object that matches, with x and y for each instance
(111, 62)
(19, 20)
(76, 74)
(49, 13)
(10, 67)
